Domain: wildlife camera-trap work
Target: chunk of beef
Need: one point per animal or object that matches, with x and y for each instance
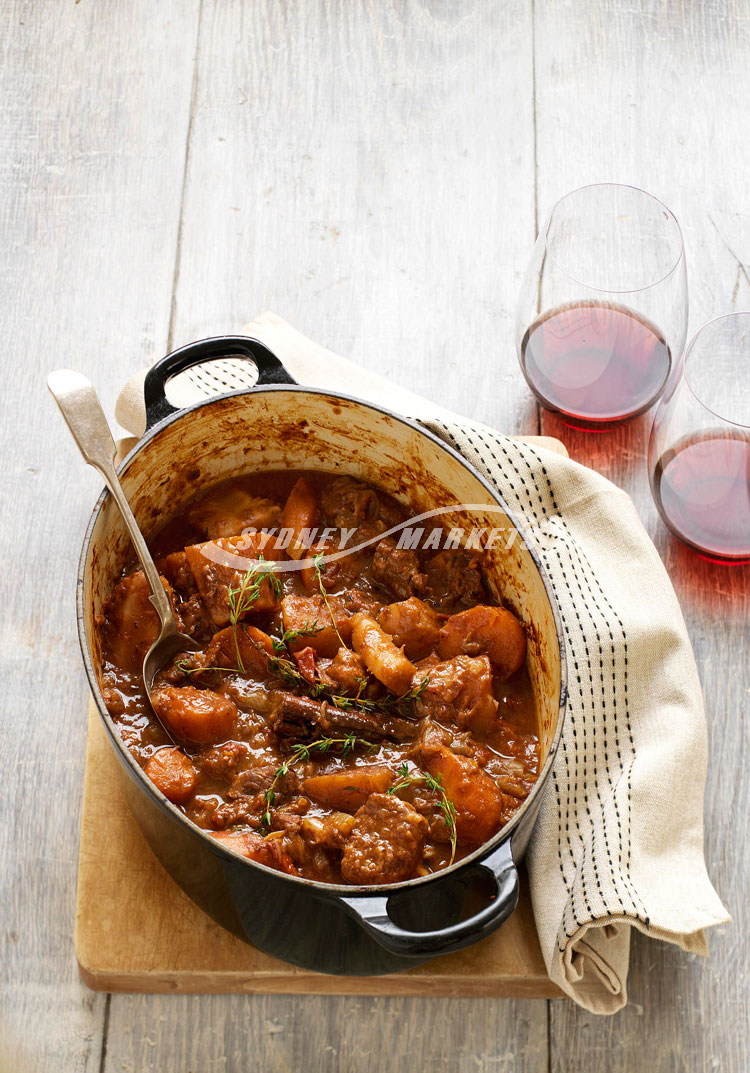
(195, 620)
(176, 569)
(229, 511)
(252, 781)
(386, 842)
(349, 502)
(483, 630)
(336, 573)
(302, 719)
(353, 600)
(459, 690)
(380, 655)
(396, 568)
(268, 851)
(243, 810)
(298, 718)
(453, 579)
(215, 574)
(412, 624)
(344, 673)
(224, 761)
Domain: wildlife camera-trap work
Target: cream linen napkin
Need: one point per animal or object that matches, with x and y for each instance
(619, 839)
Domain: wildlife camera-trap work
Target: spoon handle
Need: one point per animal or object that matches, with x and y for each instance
(80, 406)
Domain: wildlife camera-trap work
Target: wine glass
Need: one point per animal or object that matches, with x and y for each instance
(699, 451)
(603, 306)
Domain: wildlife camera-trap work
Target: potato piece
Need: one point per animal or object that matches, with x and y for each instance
(412, 624)
(303, 612)
(477, 800)
(215, 578)
(252, 643)
(348, 790)
(132, 625)
(459, 690)
(228, 511)
(172, 772)
(483, 630)
(264, 851)
(197, 715)
(300, 512)
(381, 656)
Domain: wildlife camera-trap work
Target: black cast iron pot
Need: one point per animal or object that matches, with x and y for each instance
(276, 425)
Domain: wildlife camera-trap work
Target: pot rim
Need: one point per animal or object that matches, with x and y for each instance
(476, 856)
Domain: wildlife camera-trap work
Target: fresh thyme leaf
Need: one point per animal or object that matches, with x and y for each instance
(285, 668)
(307, 629)
(405, 703)
(183, 667)
(243, 596)
(435, 784)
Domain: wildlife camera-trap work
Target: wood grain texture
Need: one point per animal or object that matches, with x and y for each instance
(375, 190)
(368, 171)
(656, 95)
(89, 210)
(279, 1034)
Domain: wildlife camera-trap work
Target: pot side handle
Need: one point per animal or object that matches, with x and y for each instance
(270, 369)
(371, 911)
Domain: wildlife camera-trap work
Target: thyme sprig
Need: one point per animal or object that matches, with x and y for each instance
(285, 667)
(403, 704)
(288, 671)
(319, 568)
(406, 779)
(307, 629)
(301, 753)
(184, 667)
(243, 596)
(387, 704)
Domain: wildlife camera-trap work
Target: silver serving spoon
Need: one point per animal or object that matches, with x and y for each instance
(80, 406)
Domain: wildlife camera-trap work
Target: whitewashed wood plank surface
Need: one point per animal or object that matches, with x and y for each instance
(93, 127)
(656, 95)
(316, 1034)
(367, 171)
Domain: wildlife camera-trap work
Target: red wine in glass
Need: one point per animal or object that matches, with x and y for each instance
(595, 362)
(702, 489)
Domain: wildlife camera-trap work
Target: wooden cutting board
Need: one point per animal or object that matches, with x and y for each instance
(136, 930)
